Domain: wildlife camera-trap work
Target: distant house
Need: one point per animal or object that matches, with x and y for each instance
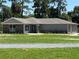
(42, 25)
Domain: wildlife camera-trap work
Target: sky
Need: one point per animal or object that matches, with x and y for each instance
(70, 4)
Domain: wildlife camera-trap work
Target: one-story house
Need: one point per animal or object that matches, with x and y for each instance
(41, 25)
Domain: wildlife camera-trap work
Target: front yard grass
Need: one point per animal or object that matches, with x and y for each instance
(45, 38)
(53, 53)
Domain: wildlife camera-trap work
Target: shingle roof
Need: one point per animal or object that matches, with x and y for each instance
(36, 21)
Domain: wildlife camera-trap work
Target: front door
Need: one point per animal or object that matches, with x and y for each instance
(32, 28)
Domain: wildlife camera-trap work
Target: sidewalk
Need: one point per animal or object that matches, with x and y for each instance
(41, 45)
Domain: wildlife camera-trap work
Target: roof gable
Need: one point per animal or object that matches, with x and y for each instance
(12, 21)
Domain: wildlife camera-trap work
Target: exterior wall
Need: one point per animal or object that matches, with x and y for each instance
(18, 29)
(32, 28)
(55, 28)
(72, 28)
(5, 28)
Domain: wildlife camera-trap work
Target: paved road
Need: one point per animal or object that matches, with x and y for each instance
(60, 45)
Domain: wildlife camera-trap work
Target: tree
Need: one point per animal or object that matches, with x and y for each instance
(18, 7)
(45, 8)
(65, 16)
(74, 14)
(15, 8)
(24, 6)
(6, 12)
(1, 2)
(37, 6)
(1, 7)
(41, 8)
(60, 5)
(53, 12)
(76, 10)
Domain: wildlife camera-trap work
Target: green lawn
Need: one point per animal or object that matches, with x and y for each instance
(45, 38)
(56, 53)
